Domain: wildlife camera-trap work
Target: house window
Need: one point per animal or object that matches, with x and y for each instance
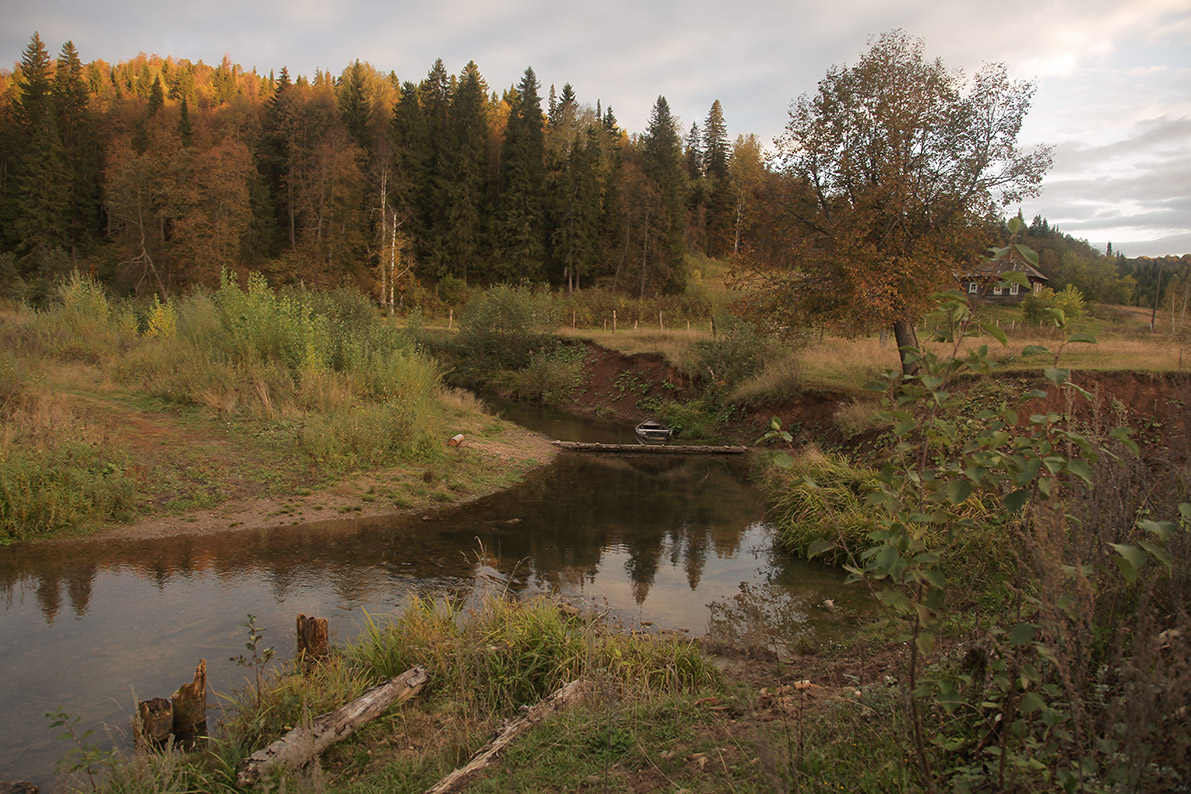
(1013, 289)
(997, 290)
(971, 287)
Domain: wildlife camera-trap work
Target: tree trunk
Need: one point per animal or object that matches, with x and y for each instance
(561, 698)
(906, 336)
(153, 724)
(304, 743)
(312, 639)
(190, 707)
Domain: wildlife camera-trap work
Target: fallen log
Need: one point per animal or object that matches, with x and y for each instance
(651, 449)
(485, 756)
(305, 743)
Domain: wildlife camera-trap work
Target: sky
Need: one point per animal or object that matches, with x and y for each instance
(1112, 78)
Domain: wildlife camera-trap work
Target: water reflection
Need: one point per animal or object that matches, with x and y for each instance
(648, 538)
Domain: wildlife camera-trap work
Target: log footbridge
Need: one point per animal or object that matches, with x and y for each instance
(651, 449)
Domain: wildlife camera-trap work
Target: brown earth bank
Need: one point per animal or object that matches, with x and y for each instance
(1156, 405)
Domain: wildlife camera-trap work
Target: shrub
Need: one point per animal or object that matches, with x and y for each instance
(552, 375)
(1056, 308)
(503, 327)
(82, 324)
(736, 354)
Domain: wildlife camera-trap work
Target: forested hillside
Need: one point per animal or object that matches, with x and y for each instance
(157, 173)
(1105, 277)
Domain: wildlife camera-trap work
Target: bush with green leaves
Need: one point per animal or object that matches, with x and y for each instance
(1047, 307)
(552, 376)
(737, 353)
(503, 327)
(1071, 686)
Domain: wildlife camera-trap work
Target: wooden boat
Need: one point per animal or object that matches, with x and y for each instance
(651, 431)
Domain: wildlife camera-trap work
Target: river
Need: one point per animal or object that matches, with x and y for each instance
(90, 626)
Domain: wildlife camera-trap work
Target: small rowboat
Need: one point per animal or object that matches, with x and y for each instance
(651, 431)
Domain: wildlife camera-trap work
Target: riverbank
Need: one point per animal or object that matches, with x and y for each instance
(492, 456)
(242, 407)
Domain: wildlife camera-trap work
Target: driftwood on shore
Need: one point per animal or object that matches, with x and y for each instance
(652, 449)
(303, 744)
(483, 758)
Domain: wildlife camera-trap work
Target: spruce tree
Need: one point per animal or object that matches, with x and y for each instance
(355, 106)
(521, 219)
(80, 148)
(718, 195)
(274, 160)
(156, 97)
(661, 162)
(434, 95)
(411, 154)
(465, 170)
(185, 131)
(38, 196)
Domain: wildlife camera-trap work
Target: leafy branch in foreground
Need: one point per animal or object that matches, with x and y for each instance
(1036, 703)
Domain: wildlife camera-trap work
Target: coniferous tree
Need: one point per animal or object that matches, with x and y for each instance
(465, 170)
(156, 97)
(718, 197)
(521, 218)
(693, 156)
(661, 163)
(38, 193)
(434, 95)
(80, 147)
(410, 159)
(275, 161)
(355, 106)
(185, 130)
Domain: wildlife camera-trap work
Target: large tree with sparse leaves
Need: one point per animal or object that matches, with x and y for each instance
(894, 166)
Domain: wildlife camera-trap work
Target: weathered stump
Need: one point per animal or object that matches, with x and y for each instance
(190, 708)
(312, 639)
(18, 787)
(154, 723)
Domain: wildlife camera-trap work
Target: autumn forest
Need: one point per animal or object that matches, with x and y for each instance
(158, 173)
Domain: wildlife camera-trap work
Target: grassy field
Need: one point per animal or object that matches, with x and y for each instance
(112, 413)
(835, 362)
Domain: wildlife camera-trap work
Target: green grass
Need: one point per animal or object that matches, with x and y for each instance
(483, 666)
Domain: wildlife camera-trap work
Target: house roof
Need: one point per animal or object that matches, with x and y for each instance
(989, 270)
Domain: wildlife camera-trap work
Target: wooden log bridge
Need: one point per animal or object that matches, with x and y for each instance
(651, 449)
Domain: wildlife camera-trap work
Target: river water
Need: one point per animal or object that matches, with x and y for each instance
(90, 626)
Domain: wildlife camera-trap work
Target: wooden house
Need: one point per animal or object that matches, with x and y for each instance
(982, 282)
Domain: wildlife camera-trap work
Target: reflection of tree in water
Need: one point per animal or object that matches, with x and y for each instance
(652, 508)
(76, 575)
(555, 530)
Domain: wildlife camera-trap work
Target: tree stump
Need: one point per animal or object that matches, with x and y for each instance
(190, 708)
(154, 723)
(312, 639)
(18, 787)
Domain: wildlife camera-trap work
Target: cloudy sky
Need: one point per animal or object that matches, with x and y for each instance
(1113, 76)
